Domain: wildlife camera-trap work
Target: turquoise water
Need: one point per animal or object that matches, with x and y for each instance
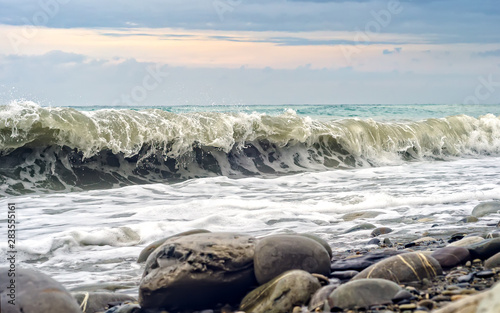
(378, 112)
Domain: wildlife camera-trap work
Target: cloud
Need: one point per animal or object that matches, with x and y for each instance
(72, 79)
(395, 50)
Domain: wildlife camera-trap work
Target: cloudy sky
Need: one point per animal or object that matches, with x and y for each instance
(203, 52)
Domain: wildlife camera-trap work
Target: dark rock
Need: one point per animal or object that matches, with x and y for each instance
(363, 293)
(321, 242)
(277, 254)
(143, 256)
(469, 219)
(319, 301)
(364, 214)
(281, 294)
(359, 263)
(403, 268)
(374, 241)
(214, 267)
(380, 231)
(486, 208)
(485, 248)
(387, 242)
(364, 226)
(456, 237)
(344, 275)
(485, 274)
(493, 261)
(126, 308)
(402, 295)
(449, 257)
(34, 292)
(92, 302)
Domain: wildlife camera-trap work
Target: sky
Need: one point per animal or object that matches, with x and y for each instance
(243, 52)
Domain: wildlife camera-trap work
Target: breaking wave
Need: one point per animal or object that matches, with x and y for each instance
(43, 149)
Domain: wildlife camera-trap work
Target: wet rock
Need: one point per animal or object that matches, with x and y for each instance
(449, 257)
(485, 248)
(344, 275)
(359, 263)
(143, 256)
(374, 241)
(485, 274)
(213, 266)
(34, 292)
(424, 240)
(321, 242)
(364, 226)
(281, 294)
(363, 293)
(381, 231)
(277, 254)
(465, 278)
(469, 219)
(319, 301)
(402, 295)
(486, 208)
(364, 214)
(408, 267)
(92, 302)
(493, 261)
(493, 234)
(467, 241)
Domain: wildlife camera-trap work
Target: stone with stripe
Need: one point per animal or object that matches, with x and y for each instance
(404, 268)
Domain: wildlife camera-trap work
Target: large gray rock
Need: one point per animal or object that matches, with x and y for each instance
(321, 242)
(319, 300)
(493, 261)
(143, 256)
(93, 302)
(467, 241)
(198, 271)
(363, 293)
(485, 248)
(281, 294)
(280, 253)
(486, 208)
(403, 268)
(35, 292)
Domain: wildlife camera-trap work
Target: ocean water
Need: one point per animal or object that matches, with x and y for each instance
(93, 185)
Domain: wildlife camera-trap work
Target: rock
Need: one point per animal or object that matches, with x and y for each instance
(490, 303)
(424, 240)
(321, 242)
(198, 271)
(486, 208)
(493, 234)
(359, 263)
(373, 241)
(92, 302)
(485, 248)
(467, 241)
(469, 219)
(279, 253)
(408, 267)
(281, 294)
(380, 231)
(364, 214)
(468, 304)
(449, 257)
(485, 274)
(465, 278)
(364, 226)
(319, 301)
(126, 308)
(143, 256)
(493, 261)
(402, 295)
(363, 293)
(344, 275)
(35, 292)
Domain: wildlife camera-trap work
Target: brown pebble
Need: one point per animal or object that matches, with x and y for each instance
(409, 306)
(458, 297)
(468, 264)
(476, 261)
(440, 298)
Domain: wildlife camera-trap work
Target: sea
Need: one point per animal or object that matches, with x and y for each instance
(92, 186)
